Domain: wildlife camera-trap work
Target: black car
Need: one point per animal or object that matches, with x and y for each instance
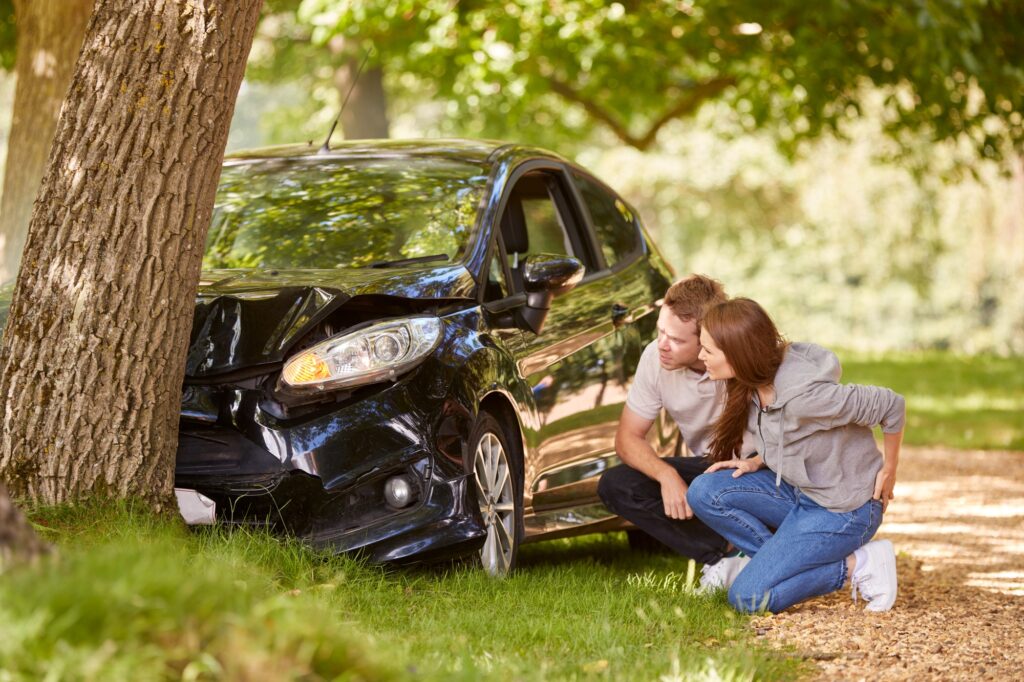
(415, 349)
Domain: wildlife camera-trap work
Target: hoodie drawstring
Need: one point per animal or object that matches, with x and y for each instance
(782, 434)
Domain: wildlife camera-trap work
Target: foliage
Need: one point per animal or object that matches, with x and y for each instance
(536, 70)
(136, 597)
(842, 247)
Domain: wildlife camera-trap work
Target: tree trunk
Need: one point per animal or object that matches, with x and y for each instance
(49, 38)
(18, 542)
(94, 350)
(365, 116)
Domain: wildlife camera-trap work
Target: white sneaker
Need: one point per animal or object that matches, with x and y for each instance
(875, 580)
(721, 575)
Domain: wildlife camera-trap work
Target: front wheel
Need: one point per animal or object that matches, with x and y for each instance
(498, 486)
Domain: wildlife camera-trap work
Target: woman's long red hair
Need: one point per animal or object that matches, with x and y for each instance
(754, 349)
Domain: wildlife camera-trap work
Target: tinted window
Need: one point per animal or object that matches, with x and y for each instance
(613, 221)
(544, 227)
(496, 287)
(328, 213)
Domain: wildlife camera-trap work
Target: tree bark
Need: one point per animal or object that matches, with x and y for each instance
(18, 542)
(93, 354)
(365, 115)
(50, 36)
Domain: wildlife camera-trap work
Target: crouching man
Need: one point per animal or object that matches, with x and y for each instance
(648, 490)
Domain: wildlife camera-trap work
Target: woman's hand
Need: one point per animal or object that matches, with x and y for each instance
(885, 481)
(742, 466)
(886, 478)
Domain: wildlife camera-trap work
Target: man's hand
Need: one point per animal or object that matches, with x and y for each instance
(885, 481)
(673, 494)
(742, 466)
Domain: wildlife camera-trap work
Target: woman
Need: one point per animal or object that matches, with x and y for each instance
(819, 480)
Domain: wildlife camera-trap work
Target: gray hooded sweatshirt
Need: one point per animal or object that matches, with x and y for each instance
(817, 435)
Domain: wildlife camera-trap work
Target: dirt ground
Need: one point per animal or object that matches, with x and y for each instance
(958, 526)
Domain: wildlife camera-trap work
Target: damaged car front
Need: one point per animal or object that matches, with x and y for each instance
(334, 317)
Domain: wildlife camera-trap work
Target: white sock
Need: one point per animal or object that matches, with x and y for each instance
(860, 559)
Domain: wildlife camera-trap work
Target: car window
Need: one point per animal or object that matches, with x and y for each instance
(497, 288)
(330, 213)
(613, 222)
(544, 226)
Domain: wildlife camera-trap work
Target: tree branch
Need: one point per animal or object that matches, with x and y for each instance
(689, 103)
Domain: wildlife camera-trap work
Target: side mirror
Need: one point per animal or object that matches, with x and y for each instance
(546, 276)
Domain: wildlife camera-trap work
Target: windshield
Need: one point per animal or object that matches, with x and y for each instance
(331, 213)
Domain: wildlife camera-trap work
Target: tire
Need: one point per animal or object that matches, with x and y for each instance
(496, 472)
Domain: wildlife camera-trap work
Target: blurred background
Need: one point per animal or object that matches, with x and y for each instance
(855, 167)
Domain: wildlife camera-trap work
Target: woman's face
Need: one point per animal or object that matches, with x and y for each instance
(713, 358)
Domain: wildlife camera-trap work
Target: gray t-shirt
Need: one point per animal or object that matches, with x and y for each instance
(693, 400)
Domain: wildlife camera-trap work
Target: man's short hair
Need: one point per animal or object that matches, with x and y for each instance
(688, 297)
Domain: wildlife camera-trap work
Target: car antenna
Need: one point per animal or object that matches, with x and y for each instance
(327, 143)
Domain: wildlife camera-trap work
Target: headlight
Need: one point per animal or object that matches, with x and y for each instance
(380, 351)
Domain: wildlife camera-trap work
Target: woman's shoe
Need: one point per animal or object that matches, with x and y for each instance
(875, 575)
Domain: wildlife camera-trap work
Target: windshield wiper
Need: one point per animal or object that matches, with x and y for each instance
(408, 261)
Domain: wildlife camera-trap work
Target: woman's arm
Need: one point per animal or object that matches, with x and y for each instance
(835, 405)
(886, 478)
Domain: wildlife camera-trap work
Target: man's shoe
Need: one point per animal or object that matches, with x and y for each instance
(875, 577)
(722, 574)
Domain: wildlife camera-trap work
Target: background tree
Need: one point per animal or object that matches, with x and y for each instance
(537, 71)
(324, 71)
(49, 36)
(94, 348)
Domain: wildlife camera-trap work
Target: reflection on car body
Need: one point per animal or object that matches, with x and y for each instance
(317, 399)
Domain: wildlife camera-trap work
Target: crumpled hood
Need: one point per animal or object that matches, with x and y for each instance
(247, 318)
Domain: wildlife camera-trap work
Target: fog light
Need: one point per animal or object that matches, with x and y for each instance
(399, 491)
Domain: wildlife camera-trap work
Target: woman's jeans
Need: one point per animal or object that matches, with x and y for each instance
(806, 554)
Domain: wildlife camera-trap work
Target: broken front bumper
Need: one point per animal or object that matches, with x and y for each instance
(321, 477)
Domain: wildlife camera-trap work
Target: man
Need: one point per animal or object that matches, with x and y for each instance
(650, 491)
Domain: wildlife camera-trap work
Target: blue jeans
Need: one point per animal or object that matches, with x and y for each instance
(806, 554)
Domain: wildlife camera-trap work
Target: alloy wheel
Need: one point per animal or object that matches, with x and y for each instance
(496, 496)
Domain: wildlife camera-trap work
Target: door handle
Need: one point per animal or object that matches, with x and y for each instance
(620, 315)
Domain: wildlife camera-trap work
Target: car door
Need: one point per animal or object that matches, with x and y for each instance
(574, 367)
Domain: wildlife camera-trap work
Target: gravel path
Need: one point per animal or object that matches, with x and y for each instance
(958, 526)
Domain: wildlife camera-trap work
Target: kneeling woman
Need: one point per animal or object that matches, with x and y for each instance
(805, 508)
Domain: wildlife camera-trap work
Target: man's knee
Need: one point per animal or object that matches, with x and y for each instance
(613, 485)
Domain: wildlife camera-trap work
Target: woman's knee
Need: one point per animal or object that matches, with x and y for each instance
(702, 492)
(749, 595)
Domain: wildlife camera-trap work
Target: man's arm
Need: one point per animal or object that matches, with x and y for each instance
(634, 450)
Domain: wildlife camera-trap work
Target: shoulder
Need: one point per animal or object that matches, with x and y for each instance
(811, 361)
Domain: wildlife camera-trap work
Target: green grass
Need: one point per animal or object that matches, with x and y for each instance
(137, 597)
(956, 401)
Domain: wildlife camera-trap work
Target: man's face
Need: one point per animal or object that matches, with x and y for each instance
(678, 342)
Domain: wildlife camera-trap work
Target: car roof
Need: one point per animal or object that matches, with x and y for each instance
(472, 151)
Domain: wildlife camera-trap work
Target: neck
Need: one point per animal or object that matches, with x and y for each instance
(697, 367)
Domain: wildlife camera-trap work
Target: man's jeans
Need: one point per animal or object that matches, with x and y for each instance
(804, 557)
(637, 498)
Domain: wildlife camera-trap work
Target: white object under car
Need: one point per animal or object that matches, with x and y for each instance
(196, 508)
